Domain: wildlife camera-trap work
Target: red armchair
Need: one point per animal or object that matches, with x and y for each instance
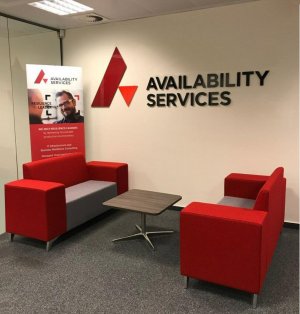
(232, 245)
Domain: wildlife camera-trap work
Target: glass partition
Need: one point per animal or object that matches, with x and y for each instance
(20, 44)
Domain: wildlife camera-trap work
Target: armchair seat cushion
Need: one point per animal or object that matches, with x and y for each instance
(84, 200)
(237, 202)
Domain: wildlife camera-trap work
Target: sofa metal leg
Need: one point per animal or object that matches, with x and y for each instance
(12, 235)
(49, 244)
(254, 300)
(186, 282)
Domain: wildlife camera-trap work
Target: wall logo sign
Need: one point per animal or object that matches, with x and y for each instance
(200, 90)
(111, 83)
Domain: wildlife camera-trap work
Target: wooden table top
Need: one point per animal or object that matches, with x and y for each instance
(142, 201)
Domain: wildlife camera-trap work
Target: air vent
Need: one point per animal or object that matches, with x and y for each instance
(12, 3)
(90, 18)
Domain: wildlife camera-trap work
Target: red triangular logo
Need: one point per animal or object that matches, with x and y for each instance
(128, 93)
(39, 77)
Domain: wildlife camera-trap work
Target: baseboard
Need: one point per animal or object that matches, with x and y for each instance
(178, 208)
(290, 225)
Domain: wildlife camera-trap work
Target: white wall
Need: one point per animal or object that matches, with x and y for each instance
(31, 49)
(8, 167)
(15, 138)
(188, 151)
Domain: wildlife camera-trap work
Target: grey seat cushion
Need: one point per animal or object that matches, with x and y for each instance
(84, 200)
(237, 202)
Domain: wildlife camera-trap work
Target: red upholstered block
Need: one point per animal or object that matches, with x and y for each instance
(243, 185)
(275, 185)
(35, 209)
(271, 198)
(109, 171)
(69, 169)
(223, 245)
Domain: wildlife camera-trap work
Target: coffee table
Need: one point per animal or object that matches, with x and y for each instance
(146, 203)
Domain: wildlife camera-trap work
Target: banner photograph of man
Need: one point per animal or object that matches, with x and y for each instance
(67, 104)
(35, 106)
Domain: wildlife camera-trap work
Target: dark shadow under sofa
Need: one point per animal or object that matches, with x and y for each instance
(60, 193)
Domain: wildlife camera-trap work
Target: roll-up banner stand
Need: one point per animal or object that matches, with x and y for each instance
(55, 106)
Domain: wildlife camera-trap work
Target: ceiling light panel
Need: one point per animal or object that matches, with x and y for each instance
(61, 7)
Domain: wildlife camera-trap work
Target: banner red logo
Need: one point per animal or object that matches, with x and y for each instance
(111, 83)
(40, 78)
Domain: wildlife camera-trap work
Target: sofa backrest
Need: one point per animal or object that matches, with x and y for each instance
(272, 193)
(271, 198)
(69, 169)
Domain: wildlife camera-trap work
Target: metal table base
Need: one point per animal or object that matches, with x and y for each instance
(143, 233)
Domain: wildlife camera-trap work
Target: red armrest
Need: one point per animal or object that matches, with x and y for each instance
(109, 171)
(35, 209)
(243, 185)
(223, 245)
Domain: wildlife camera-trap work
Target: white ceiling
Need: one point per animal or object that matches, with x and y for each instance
(111, 10)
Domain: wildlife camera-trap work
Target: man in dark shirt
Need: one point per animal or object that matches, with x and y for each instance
(67, 105)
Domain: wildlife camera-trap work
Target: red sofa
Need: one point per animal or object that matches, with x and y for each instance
(232, 243)
(57, 194)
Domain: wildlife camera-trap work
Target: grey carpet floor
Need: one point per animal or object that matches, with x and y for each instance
(86, 273)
